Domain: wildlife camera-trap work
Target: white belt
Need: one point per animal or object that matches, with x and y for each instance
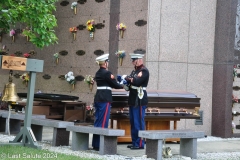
(104, 87)
(134, 87)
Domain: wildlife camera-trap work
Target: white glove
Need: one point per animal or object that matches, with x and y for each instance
(140, 92)
(124, 76)
(126, 88)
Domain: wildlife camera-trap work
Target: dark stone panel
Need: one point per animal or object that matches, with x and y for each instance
(223, 68)
(222, 100)
(225, 31)
(113, 35)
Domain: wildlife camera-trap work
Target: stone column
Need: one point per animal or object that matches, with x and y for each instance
(223, 68)
(153, 41)
(113, 37)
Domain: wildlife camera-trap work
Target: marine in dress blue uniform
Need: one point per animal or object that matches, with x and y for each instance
(137, 100)
(103, 98)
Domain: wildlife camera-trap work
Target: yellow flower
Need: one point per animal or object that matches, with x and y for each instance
(25, 77)
(89, 27)
(88, 22)
(121, 26)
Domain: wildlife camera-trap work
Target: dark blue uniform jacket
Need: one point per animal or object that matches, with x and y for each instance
(103, 78)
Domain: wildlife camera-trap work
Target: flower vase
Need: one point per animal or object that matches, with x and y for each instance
(73, 86)
(120, 61)
(13, 39)
(26, 84)
(91, 112)
(90, 87)
(57, 60)
(121, 33)
(75, 10)
(27, 37)
(74, 36)
(92, 35)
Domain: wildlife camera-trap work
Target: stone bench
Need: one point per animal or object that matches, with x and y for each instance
(155, 138)
(60, 134)
(108, 138)
(14, 122)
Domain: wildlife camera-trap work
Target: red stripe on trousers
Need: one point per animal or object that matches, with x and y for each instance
(140, 143)
(105, 115)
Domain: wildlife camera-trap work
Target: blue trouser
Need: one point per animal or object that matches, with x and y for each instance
(102, 114)
(136, 115)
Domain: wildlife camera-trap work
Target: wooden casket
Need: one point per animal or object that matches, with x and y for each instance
(163, 107)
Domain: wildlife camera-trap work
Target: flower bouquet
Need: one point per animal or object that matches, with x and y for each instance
(3, 50)
(121, 28)
(73, 30)
(234, 99)
(91, 27)
(121, 55)
(70, 79)
(89, 80)
(56, 57)
(25, 78)
(74, 7)
(89, 109)
(12, 34)
(26, 30)
(234, 72)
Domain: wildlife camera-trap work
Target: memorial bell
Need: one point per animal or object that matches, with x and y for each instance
(9, 91)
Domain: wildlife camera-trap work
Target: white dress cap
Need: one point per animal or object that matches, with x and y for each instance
(102, 58)
(133, 55)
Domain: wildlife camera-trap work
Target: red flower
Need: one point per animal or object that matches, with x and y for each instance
(26, 55)
(73, 29)
(234, 98)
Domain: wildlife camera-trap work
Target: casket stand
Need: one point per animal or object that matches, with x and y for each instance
(55, 106)
(163, 107)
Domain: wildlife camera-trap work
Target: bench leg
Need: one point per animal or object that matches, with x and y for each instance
(15, 126)
(188, 147)
(80, 141)
(60, 137)
(108, 145)
(37, 131)
(154, 149)
(2, 124)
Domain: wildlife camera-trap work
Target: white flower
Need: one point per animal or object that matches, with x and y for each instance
(74, 4)
(70, 74)
(233, 125)
(72, 77)
(91, 106)
(56, 55)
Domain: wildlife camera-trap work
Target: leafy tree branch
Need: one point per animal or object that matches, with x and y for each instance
(37, 15)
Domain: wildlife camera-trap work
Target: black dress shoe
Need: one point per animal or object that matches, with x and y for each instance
(134, 147)
(129, 146)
